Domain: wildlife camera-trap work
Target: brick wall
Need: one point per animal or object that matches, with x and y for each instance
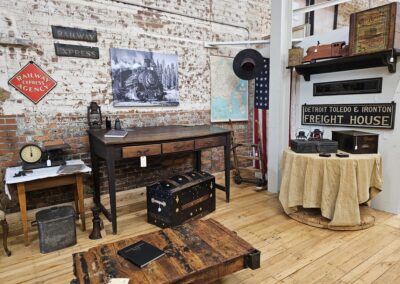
(8, 140)
(174, 26)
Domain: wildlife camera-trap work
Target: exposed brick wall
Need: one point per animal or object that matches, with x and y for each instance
(355, 6)
(8, 140)
(62, 113)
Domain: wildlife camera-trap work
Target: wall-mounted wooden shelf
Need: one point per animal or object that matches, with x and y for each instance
(370, 60)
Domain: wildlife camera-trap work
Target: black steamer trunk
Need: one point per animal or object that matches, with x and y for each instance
(180, 198)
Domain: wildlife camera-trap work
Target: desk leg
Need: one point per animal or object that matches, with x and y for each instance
(22, 207)
(197, 160)
(81, 200)
(111, 188)
(96, 179)
(76, 199)
(227, 156)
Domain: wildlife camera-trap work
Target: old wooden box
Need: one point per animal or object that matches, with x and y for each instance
(356, 142)
(180, 198)
(314, 146)
(375, 29)
(295, 56)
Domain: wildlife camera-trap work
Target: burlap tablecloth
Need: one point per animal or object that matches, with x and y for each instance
(336, 185)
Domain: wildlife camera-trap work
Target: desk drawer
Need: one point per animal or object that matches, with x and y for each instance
(142, 150)
(178, 146)
(209, 142)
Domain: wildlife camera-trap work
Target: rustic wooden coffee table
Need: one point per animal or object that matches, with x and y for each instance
(200, 251)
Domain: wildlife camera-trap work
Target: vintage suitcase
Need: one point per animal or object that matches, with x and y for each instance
(356, 142)
(314, 146)
(374, 30)
(180, 198)
(56, 228)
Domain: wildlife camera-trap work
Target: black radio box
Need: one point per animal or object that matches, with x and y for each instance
(314, 146)
(356, 142)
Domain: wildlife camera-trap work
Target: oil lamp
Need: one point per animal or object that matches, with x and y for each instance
(94, 115)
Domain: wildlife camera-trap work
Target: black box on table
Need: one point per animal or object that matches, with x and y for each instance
(180, 198)
(56, 227)
(314, 146)
(356, 142)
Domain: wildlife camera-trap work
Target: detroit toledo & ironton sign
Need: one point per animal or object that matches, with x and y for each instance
(352, 115)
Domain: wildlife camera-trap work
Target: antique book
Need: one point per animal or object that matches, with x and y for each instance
(141, 253)
(116, 133)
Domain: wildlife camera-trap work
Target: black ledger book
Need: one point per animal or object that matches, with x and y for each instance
(141, 253)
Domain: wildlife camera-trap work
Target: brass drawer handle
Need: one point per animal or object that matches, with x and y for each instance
(142, 153)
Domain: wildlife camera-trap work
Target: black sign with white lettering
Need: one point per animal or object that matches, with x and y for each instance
(76, 51)
(74, 34)
(353, 115)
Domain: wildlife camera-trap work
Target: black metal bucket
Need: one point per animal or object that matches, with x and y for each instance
(56, 227)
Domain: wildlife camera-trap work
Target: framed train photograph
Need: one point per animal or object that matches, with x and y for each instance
(142, 78)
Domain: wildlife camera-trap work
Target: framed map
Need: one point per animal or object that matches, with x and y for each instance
(229, 94)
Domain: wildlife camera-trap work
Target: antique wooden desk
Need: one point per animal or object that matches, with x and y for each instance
(46, 178)
(195, 252)
(151, 141)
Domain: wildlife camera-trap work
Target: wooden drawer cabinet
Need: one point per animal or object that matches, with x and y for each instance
(209, 142)
(142, 150)
(181, 146)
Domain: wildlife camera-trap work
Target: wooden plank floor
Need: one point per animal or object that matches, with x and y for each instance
(290, 252)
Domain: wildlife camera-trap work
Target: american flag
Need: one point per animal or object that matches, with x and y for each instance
(261, 105)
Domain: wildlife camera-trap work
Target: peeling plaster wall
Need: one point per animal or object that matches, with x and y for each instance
(175, 26)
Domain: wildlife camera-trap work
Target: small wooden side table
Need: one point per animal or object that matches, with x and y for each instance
(46, 178)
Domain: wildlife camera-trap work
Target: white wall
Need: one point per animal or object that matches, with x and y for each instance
(389, 140)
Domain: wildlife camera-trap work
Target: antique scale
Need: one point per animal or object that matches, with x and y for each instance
(33, 156)
(30, 154)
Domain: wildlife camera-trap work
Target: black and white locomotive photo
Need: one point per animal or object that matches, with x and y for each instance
(141, 78)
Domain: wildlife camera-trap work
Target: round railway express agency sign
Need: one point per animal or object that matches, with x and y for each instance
(32, 82)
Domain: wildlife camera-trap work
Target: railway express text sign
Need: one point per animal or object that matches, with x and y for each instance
(74, 34)
(353, 115)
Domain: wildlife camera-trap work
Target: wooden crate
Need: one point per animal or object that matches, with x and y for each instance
(374, 30)
(295, 56)
(200, 251)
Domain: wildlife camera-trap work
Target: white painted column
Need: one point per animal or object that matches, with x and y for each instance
(278, 115)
